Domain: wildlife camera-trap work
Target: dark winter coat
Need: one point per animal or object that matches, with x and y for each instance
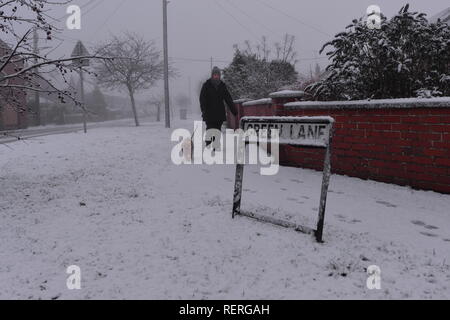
(212, 102)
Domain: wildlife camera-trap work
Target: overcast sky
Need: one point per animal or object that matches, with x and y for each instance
(200, 29)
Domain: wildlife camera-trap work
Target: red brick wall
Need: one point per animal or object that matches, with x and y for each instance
(258, 110)
(393, 143)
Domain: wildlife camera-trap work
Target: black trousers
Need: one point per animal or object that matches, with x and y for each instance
(212, 125)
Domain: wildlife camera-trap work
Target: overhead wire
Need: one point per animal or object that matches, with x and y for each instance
(294, 18)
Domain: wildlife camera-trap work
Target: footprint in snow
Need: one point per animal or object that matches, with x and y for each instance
(336, 192)
(387, 204)
(423, 224)
(419, 223)
(343, 218)
(428, 234)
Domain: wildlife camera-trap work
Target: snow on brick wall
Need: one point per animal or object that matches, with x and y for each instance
(263, 107)
(405, 144)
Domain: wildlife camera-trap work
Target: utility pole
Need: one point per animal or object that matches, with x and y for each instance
(82, 99)
(79, 51)
(37, 100)
(212, 62)
(166, 64)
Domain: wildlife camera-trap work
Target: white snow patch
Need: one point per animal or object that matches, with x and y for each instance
(257, 102)
(140, 227)
(239, 101)
(381, 103)
(287, 94)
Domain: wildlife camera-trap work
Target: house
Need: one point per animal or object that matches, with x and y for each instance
(13, 106)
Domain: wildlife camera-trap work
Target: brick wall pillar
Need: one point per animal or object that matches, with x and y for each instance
(233, 122)
(279, 99)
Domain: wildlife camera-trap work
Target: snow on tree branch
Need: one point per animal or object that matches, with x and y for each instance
(407, 57)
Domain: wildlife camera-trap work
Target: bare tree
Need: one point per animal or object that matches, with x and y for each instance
(285, 52)
(261, 50)
(140, 70)
(22, 68)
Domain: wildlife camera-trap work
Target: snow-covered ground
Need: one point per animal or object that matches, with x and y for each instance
(139, 227)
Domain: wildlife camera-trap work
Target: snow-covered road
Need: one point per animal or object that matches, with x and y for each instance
(140, 227)
(42, 131)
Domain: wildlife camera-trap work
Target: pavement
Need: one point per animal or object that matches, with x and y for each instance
(11, 136)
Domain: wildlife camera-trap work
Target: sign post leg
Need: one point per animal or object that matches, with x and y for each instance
(324, 194)
(238, 189)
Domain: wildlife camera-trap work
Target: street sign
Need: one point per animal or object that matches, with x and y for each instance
(313, 132)
(80, 51)
(302, 132)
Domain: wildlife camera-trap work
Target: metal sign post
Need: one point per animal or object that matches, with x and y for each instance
(312, 132)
